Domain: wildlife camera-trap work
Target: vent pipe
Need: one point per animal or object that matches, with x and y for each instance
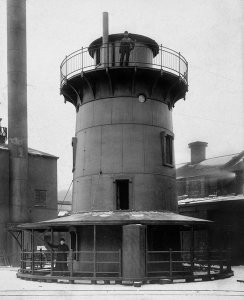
(105, 38)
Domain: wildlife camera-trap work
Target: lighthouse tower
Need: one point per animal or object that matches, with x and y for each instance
(124, 224)
(123, 144)
(123, 153)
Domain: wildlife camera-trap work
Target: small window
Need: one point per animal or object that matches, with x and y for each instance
(122, 194)
(167, 149)
(74, 146)
(40, 198)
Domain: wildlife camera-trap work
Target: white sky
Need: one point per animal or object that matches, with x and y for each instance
(206, 32)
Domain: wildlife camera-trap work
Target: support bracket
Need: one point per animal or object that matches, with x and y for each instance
(89, 84)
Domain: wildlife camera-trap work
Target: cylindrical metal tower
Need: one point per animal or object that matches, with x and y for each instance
(124, 157)
(17, 109)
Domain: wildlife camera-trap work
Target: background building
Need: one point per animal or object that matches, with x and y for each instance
(41, 196)
(213, 189)
(28, 178)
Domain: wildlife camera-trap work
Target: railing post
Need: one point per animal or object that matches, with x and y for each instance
(24, 259)
(187, 75)
(120, 261)
(21, 252)
(94, 263)
(161, 57)
(221, 264)
(51, 252)
(229, 260)
(170, 264)
(32, 252)
(209, 262)
(71, 267)
(66, 67)
(41, 258)
(81, 59)
(179, 65)
(94, 251)
(61, 79)
(192, 261)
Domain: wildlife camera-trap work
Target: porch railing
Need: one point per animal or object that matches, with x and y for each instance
(86, 59)
(78, 264)
(190, 263)
(104, 264)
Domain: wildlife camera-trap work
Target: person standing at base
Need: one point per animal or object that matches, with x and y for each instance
(61, 267)
(126, 45)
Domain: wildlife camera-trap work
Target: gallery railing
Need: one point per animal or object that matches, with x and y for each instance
(78, 263)
(104, 264)
(87, 59)
(176, 263)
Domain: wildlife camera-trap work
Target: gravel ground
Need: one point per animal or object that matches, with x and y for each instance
(14, 288)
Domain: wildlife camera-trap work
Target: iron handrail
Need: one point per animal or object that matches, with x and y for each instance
(187, 257)
(44, 260)
(35, 262)
(88, 59)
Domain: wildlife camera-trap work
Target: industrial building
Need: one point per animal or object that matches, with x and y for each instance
(28, 177)
(212, 188)
(41, 196)
(124, 224)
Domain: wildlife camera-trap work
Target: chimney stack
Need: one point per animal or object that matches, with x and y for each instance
(17, 109)
(198, 151)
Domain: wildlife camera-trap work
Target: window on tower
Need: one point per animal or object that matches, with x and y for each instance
(167, 149)
(122, 194)
(74, 146)
(40, 198)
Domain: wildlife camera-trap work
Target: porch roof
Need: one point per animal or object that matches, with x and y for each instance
(116, 218)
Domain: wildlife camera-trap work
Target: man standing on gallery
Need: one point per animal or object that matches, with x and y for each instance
(126, 45)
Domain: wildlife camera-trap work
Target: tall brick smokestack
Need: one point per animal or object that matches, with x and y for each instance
(17, 109)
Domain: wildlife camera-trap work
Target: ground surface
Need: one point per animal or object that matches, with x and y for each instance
(14, 288)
